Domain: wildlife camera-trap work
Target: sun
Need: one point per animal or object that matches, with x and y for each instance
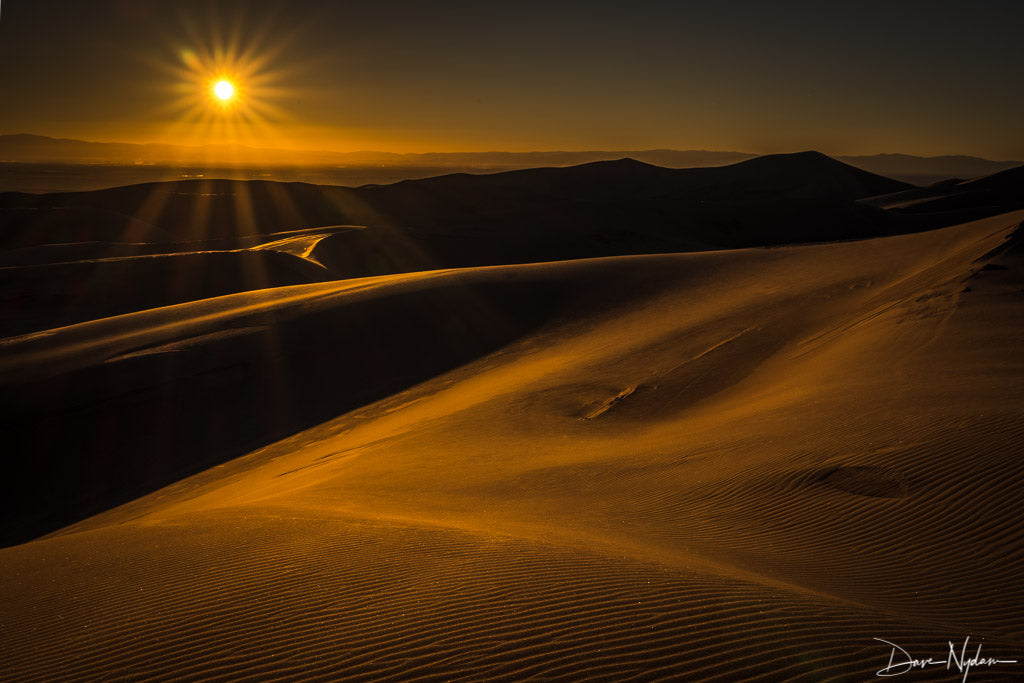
(223, 90)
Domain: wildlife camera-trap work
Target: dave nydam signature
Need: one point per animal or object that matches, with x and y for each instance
(900, 661)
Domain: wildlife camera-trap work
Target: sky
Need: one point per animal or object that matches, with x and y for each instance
(927, 78)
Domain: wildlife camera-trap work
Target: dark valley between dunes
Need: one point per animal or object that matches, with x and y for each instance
(611, 420)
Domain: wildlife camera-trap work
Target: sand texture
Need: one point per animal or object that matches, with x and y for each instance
(721, 465)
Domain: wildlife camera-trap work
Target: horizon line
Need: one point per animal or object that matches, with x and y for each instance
(237, 145)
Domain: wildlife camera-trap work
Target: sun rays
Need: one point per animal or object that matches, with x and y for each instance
(223, 98)
(227, 84)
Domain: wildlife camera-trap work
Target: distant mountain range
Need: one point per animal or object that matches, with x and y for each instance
(23, 148)
(41, 149)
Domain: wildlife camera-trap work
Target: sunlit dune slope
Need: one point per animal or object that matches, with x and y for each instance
(717, 465)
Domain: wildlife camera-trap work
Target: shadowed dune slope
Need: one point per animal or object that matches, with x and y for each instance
(723, 465)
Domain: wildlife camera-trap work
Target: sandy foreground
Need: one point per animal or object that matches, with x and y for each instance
(720, 465)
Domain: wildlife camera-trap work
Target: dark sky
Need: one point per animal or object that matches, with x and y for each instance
(843, 77)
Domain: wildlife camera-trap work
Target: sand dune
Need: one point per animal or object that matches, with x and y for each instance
(39, 297)
(961, 200)
(61, 284)
(717, 465)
